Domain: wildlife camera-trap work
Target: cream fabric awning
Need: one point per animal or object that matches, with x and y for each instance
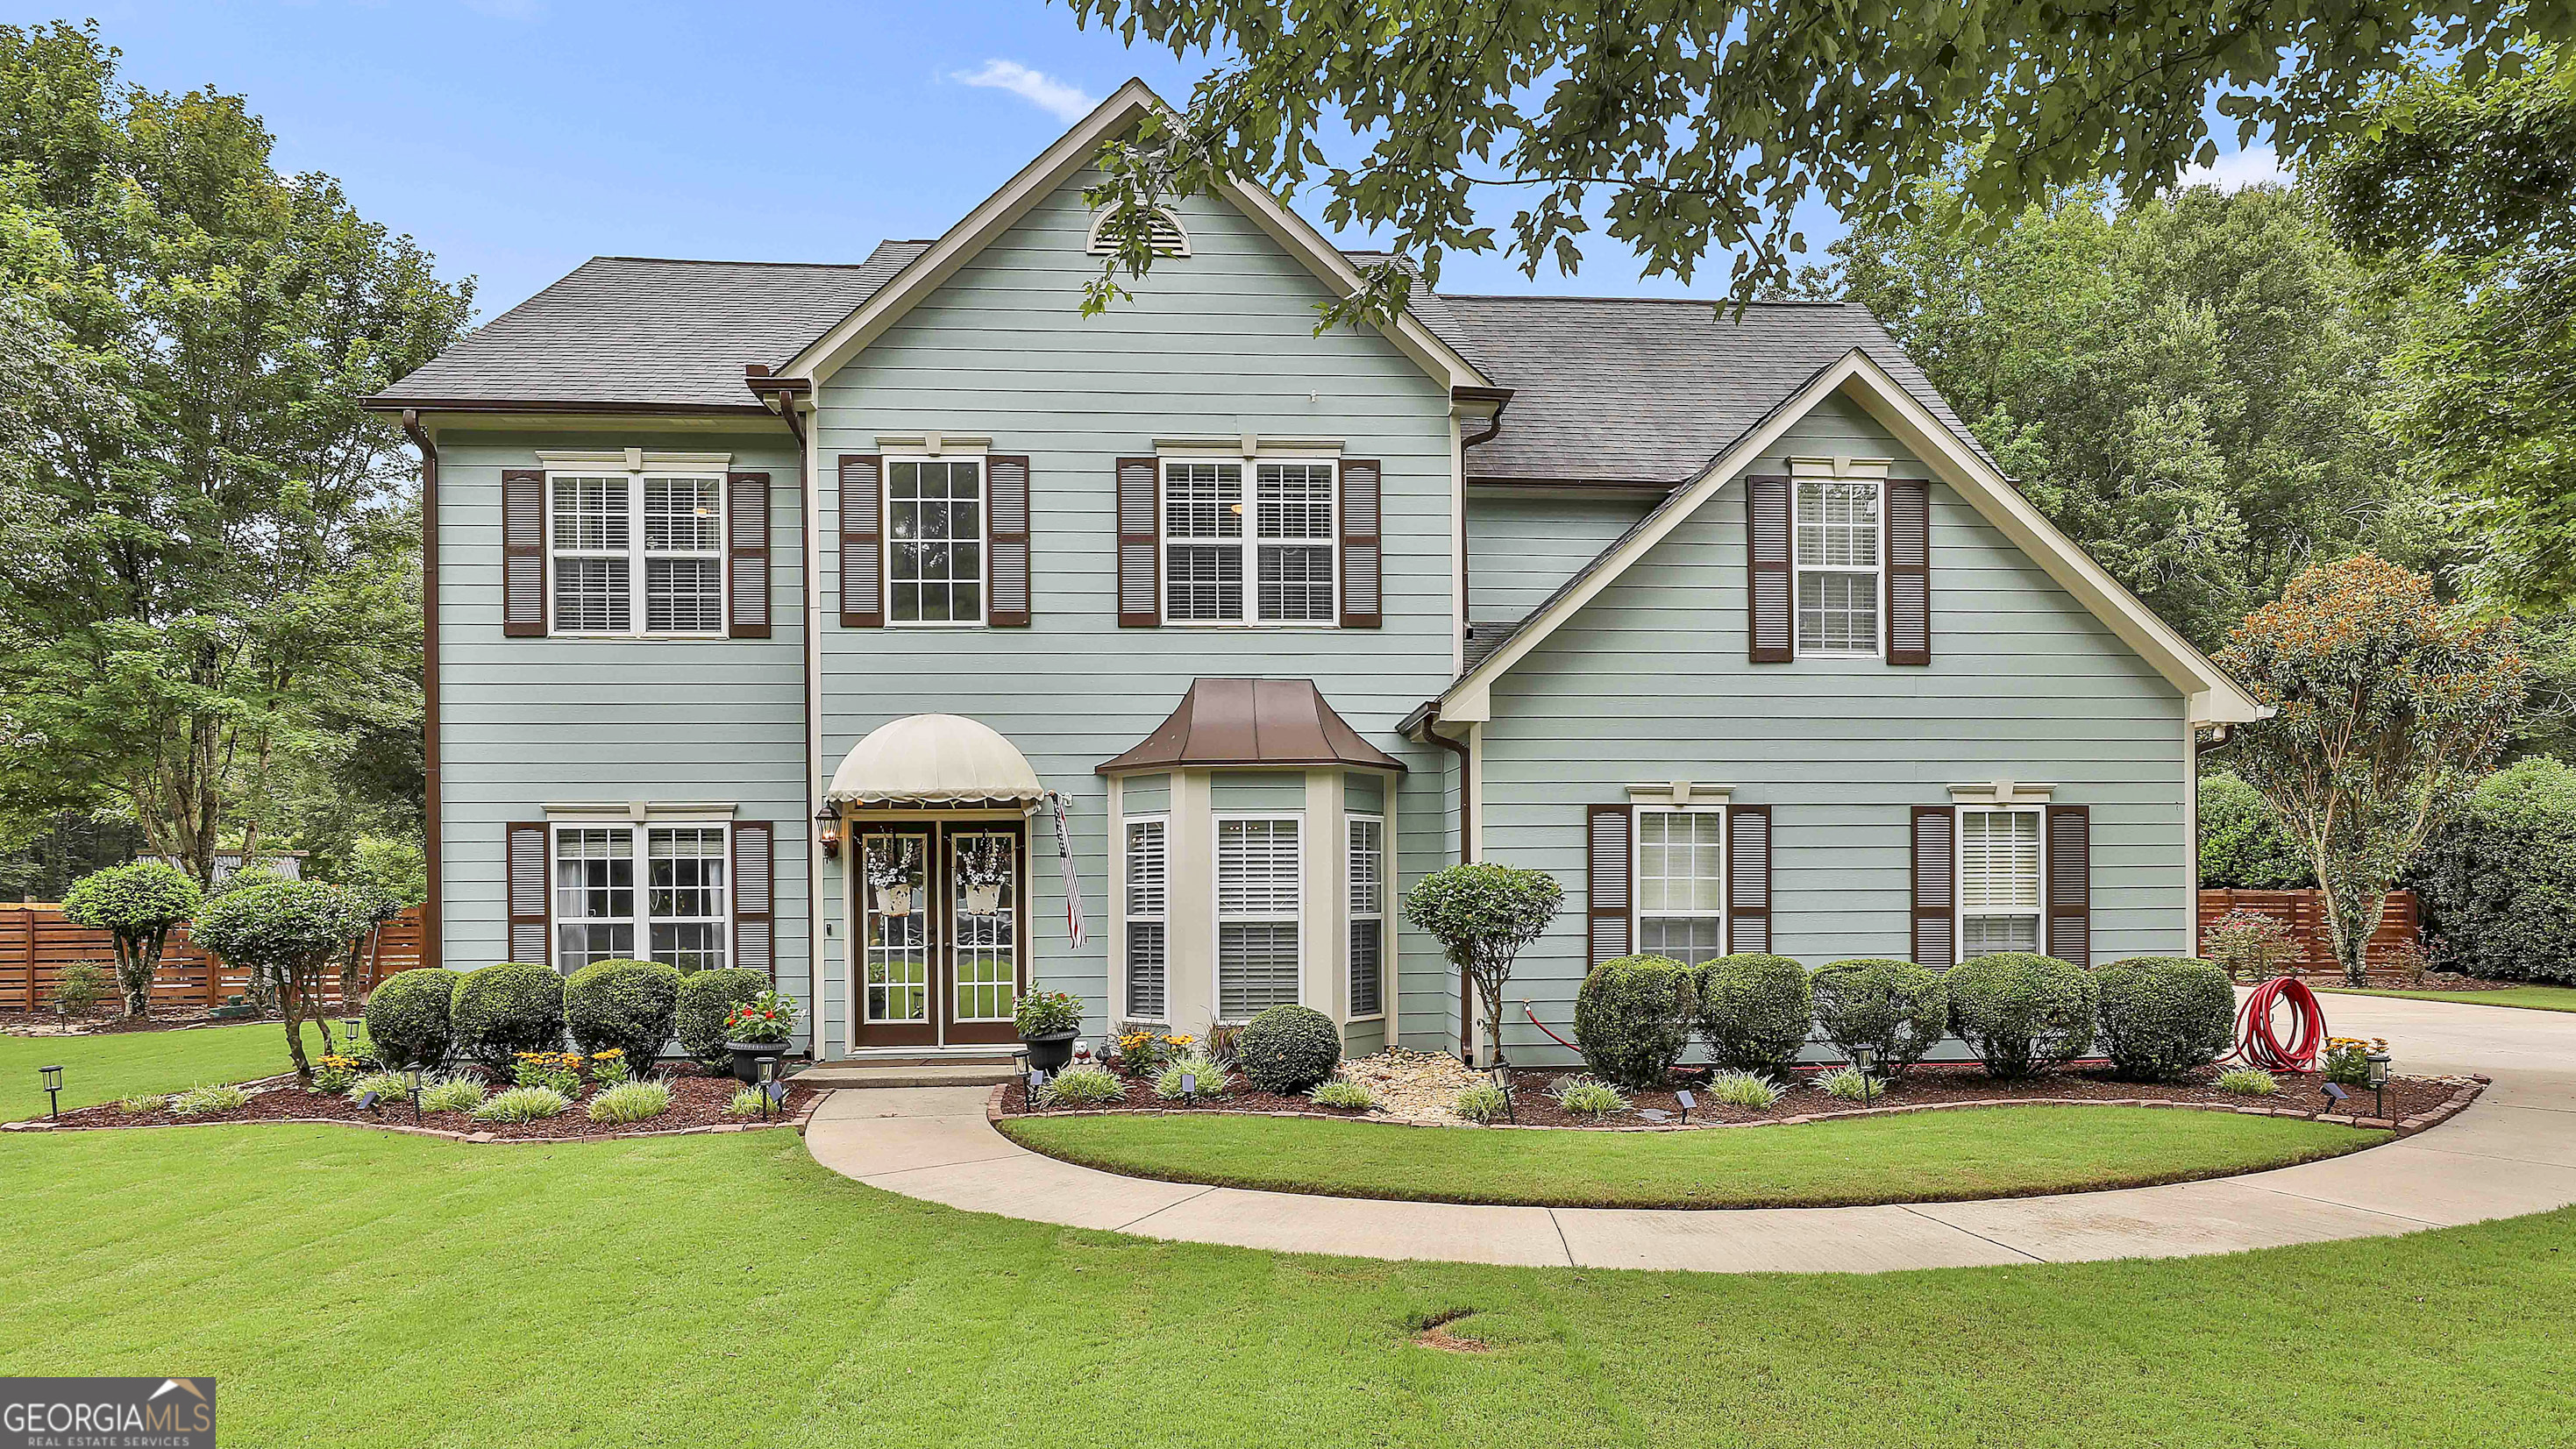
(933, 759)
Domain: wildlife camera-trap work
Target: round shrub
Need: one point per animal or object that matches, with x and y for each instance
(501, 1011)
(628, 1005)
(706, 999)
(2019, 1012)
(2162, 1016)
(1288, 1049)
(138, 904)
(1901, 1009)
(1632, 1019)
(2497, 885)
(1754, 1010)
(408, 1017)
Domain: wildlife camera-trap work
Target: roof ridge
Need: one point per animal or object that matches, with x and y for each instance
(1665, 301)
(731, 262)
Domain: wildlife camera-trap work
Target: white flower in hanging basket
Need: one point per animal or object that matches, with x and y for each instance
(981, 872)
(891, 873)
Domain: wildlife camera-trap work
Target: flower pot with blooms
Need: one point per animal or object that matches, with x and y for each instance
(981, 873)
(893, 869)
(757, 1031)
(1048, 1022)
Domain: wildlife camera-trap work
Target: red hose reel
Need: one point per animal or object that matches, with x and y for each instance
(2258, 1038)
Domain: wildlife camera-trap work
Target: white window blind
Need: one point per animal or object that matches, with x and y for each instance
(1287, 557)
(1999, 880)
(1836, 524)
(1681, 883)
(1258, 907)
(1148, 906)
(1366, 872)
(637, 554)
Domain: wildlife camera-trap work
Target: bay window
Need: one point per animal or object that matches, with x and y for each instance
(1365, 870)
(1148, 918)
(1260, 901)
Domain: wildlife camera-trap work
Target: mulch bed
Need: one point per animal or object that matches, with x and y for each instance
(697, 1103)
(45, 1023)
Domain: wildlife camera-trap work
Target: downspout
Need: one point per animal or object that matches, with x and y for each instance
(1466, 579)
(1466, 855)
(433, 906)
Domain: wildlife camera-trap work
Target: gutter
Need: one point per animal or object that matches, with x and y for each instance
(432, 908)
(1422, 725)
(778, 395)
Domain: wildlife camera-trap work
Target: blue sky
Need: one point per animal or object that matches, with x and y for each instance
(514, 138)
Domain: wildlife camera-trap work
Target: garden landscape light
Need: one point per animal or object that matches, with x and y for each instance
(1865, 1057)
(349, 1032)
(2379, 1062)
(53, 1080)
(1686, 1101)
(411, 1085)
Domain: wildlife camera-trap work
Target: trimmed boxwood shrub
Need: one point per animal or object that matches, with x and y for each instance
(2019, 1012)
(408, 1017)
(706, 999)
(2162, 1016)
(1753, 1010)
(628, 1005)
(2497, 885)
(1632, 1019)
(1288, 1049)
(501, 1011)
(1896, 1006)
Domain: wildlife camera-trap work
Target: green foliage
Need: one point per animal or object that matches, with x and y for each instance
(1482, 1102)
(1174, 1081)
(1483, 915)
(748, 1102)
(2164, 1016)
(523, 1104)
(631, 1102)
(289, 934)
(768, 1018)
(554, 1071)
(2387, 707)
(1343, 1093)
(1901, 1009)
(2247, 1082)
(1044, 1013)
(501, 1011)
(2252, 945)
(627, 1005)
(208, 1100)
(81, 985)
(451, 1094)
(1588, 1097)
(1080, 1086)
(2021, 1013)
(389, 1087)
(1846, 1084)
(139, 904)
(707, 998)
(1632, 1019)
(333, 1075)
(1288, 1049)
(2497, 885)
(140, 1103)
(2243, 844)
(1754, 1010)
(1744, 1089)
(408, 1016)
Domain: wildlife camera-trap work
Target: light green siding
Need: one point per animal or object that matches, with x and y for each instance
(1258, 790)
(1362, 794)
(1522, 544)
(1146, 794)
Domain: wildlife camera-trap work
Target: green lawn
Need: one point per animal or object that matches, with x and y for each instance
(1932, 1157)
(363, 1287)
(2534, 998)
(104, 1068)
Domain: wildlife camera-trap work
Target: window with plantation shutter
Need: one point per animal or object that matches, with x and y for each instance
(1148, 919)
(1007, 544)
(747, 550)
(862, 534)
(1909, 571)
(1935, 906)
(754, 909)
(2070, 883)
(1748, 878)
(1365, 870)
(1259, 900)
(523, 552)
(1363, 565)
(1140, 543)
(1768, 621)
(1607, 852)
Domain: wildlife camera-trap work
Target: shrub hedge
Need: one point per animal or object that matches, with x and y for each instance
(2019, 1012)
(2242, 843)
(1901, 1009)
(1288, 1049)
(2162, 1016)
(2497, 885)
(501, 1011)
(1632, 1019)
(1753, 1010)
(706, 999)
(628, 1005)
(409, 1017)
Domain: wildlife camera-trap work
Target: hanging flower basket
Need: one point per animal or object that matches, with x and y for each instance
(983, 900)
(894, 900)
(981, 873)
(890, 875)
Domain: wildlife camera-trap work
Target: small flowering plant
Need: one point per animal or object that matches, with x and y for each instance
(1044, 1013)
(559, 1071)
(334, 1075)
(1138, 1052)
(608, 1067)
(2347, 1059)
(768, 1017)
(892, 865)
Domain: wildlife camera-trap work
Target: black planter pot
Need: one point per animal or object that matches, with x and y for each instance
(1050, 1053)
(748, 1055)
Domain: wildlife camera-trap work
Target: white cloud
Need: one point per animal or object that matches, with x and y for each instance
(1065, 102)
(2236, 170)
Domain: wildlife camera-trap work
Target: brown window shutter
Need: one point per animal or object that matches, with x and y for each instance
(1140, 543)
(1748, 878)
(755, 943)
(1909, 571)
(1607, 852)
(862, 529)
(2070, 883)
(1006, 541)
(1936, 886)
(747, 555)
(523, 552)
(1363, 569)
(1769, 617)
(526, 856)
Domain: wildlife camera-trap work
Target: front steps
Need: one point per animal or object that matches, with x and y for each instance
(925, 1072)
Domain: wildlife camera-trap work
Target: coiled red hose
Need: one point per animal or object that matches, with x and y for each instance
(2258, 1042)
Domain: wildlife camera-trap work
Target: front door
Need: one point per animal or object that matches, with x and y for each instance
(942, 925)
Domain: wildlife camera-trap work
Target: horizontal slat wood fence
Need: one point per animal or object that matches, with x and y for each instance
(2304, 912)
(36, 943)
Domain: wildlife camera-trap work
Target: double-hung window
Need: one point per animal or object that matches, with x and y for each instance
(1836, 526)
(1258, 554)
(935, 540)
(1259, 909)
(2000, 887)
(637, 553)
(1681, 882)
(1148, 919)
(1365, 868)
(678, 909)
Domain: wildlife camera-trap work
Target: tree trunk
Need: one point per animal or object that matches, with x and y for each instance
(291, 1002)
(133, 976)
(2353, 913)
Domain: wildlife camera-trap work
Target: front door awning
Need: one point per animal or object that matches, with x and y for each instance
(934, 759)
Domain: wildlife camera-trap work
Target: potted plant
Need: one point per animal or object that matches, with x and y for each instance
(890, 876)
(980, 875)
(1048, 1022)
(757, 1031)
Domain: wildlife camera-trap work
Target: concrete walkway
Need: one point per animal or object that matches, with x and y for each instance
(2512, 1153)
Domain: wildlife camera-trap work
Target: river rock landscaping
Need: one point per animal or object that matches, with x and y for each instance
(698, 1102)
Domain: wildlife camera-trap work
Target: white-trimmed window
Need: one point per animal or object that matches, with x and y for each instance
(1148, 919)
(2000, 878)
(1260, 900)
(1365, 874)
(637, 553)
(1278, 570)
(1835, 522)
(935, 540)
(1681, 882)
(679, 909)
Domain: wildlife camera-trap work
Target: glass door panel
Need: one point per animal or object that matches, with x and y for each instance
(897, 951)
(985, 867)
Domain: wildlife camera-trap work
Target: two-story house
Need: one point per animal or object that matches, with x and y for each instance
(897, 630)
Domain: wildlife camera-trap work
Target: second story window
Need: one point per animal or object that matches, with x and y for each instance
(1837, 529)
(935, 540)
(612, 576)
(1249, 543)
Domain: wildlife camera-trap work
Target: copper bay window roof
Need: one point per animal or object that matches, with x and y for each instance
(1224, 722)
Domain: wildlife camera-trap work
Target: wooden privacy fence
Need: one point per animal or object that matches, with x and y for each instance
(2304, 912)
(36, 943)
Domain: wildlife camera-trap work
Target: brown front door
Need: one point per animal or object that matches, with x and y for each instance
(943, 926)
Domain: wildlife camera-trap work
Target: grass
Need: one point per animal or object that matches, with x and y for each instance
(2530, 998)
(105, 1068)
(725, 1290)
(1930, 1157)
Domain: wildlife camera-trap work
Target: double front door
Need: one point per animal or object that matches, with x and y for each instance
(942, 933)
